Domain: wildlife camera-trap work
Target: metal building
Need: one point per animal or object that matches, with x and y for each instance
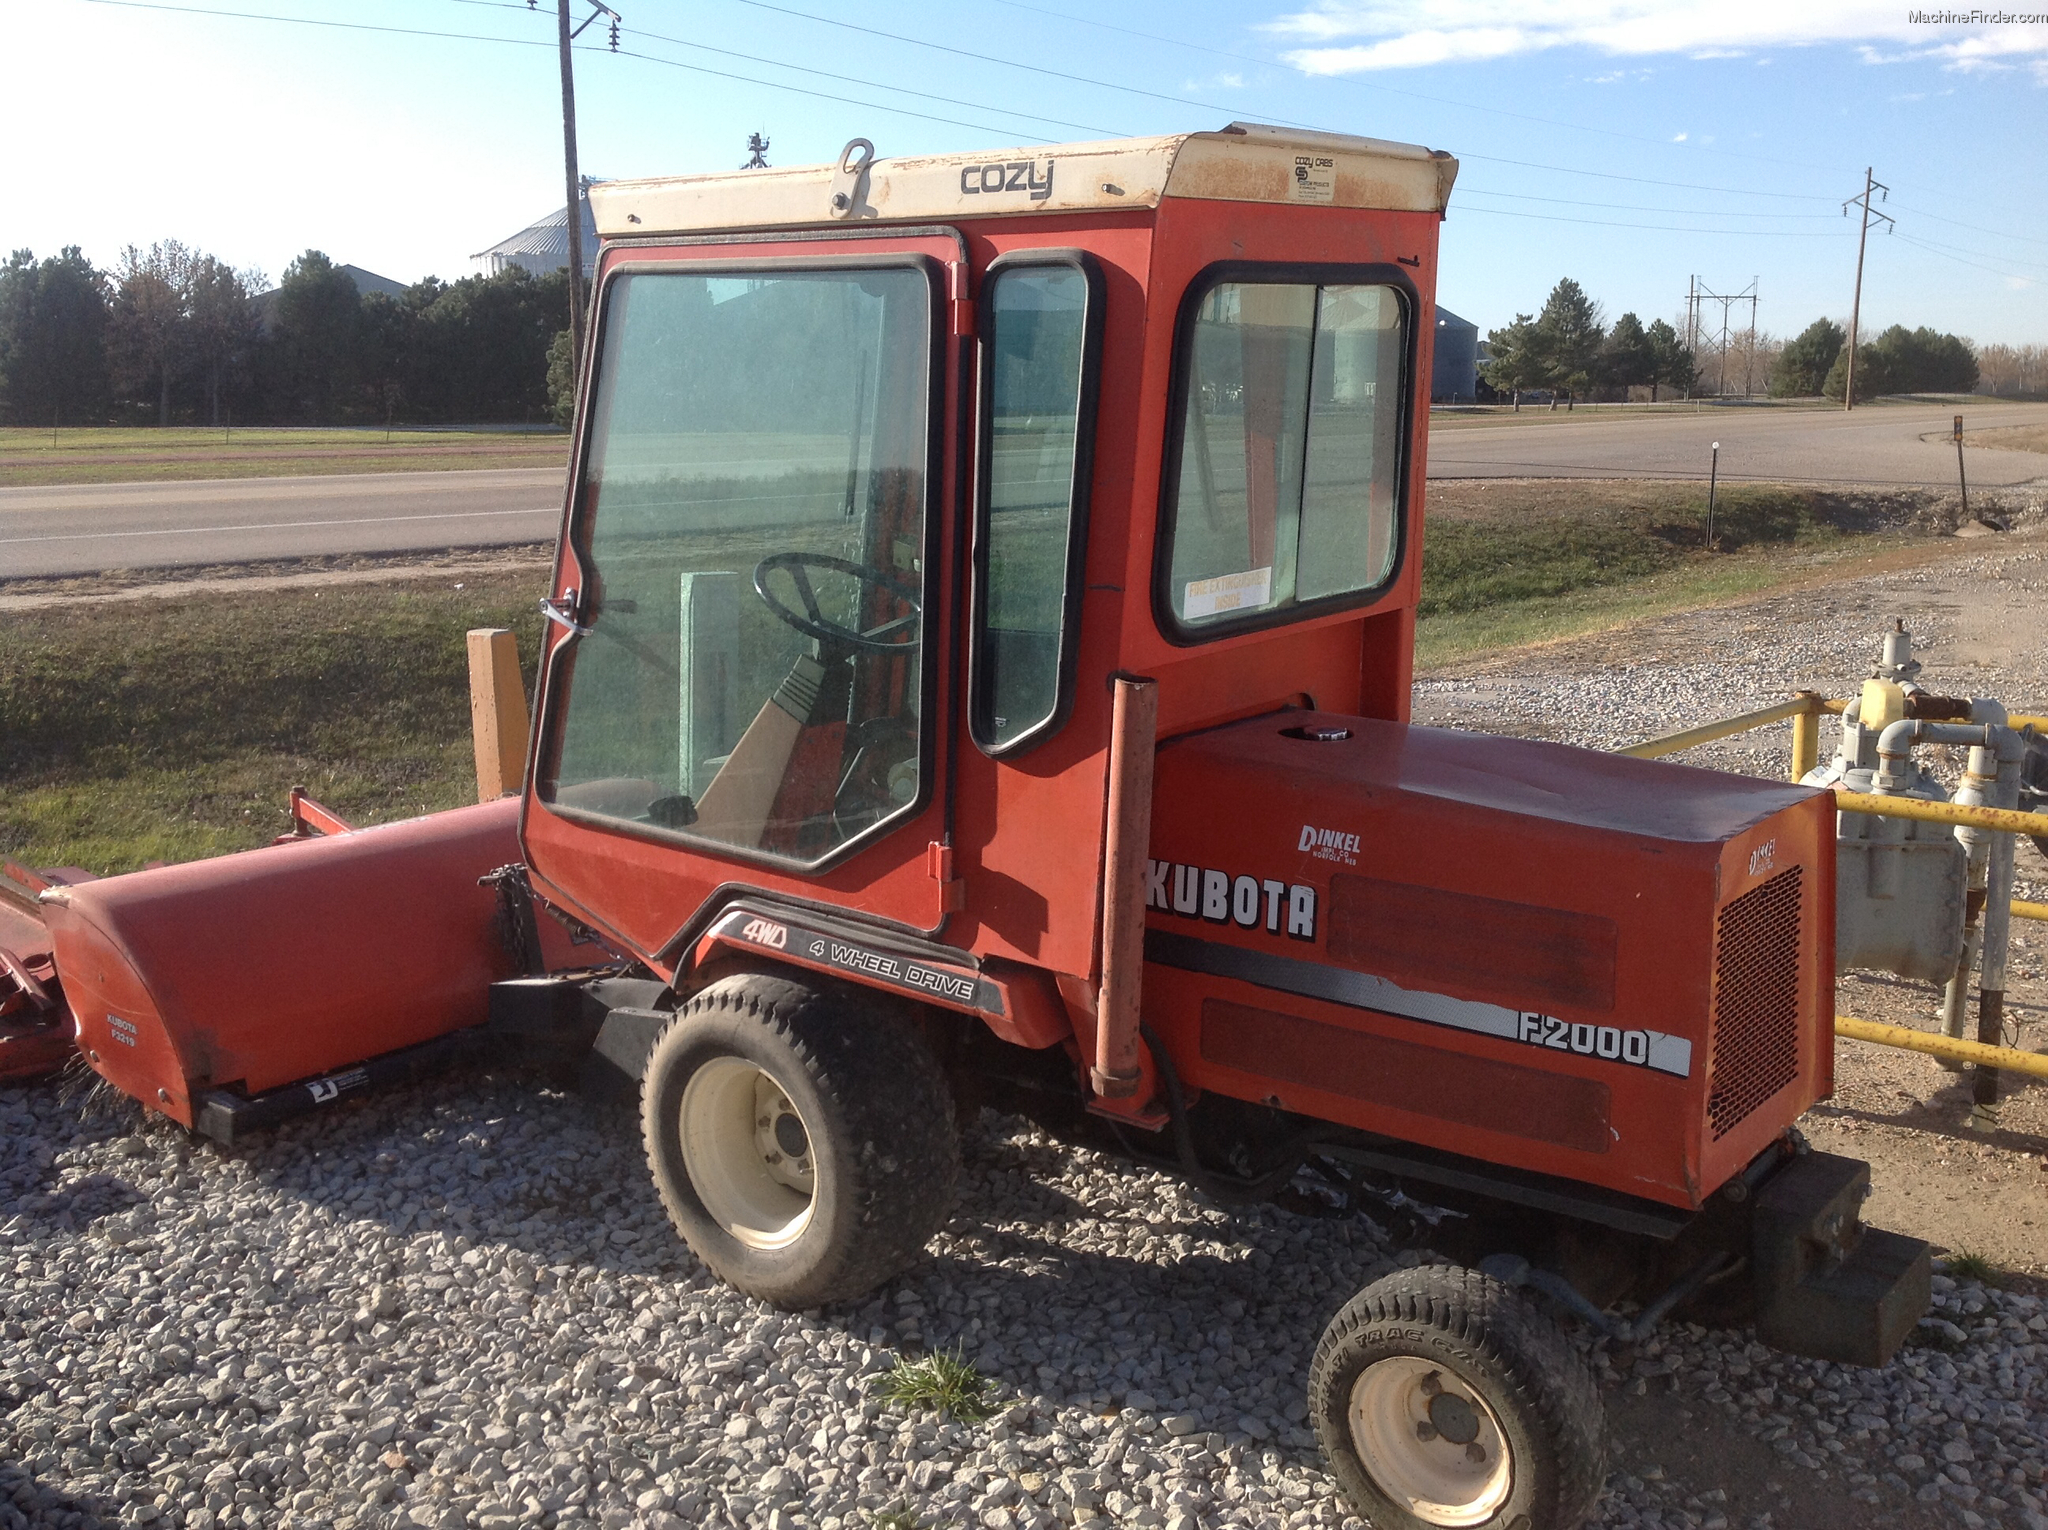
(1454, 377)
(544, 246)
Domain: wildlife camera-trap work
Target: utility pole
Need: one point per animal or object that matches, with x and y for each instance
(1856, 303)
(574, 205)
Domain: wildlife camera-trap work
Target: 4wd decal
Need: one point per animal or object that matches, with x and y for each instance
(1658, 1051)
(1006, 175)
(960, 985)
(1200, 892)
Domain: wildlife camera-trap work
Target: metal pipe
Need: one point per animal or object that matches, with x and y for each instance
(1134, 728)
(1706, 733)
(1806, 735)
(2012, 751)
(1979, 778)
(2009, 821)
(2024, 910)
(2008, 1059)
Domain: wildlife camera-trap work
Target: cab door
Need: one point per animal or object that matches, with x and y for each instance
(747, 670)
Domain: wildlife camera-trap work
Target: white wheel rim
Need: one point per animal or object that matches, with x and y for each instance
(738, 1145)
(1430, 1441)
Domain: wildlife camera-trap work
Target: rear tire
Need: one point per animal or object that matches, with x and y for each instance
(801, 1137)
(1442, 1398)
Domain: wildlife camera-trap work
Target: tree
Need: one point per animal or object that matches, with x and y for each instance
(1518, 357)
(1627, 358)
(224, 326)
(1803, 366)
(53, 359)
(1905, 360)
(317, 329)
(1572, 333)
(149, 334)
(1671, 361)
(562, 379)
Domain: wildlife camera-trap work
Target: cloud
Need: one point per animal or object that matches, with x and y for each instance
(1354, 36)
(1680, 137)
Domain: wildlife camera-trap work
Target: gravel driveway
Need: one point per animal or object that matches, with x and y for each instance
(457, 1304)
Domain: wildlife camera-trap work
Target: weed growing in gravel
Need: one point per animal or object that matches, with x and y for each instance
(898, 1518)
(942, 1381)
(1963, 1265)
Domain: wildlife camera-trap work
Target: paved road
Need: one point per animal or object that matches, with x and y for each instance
(1881, 445)
(80, 529)
(87, 528)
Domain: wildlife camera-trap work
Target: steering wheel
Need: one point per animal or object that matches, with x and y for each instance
(811, 621)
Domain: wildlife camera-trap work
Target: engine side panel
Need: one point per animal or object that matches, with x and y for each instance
(1604, 968)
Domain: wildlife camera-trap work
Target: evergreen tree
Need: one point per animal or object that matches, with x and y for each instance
(1518, 357)
(53, 358)
(1572, 334)
(1803, 366)
(1671, 360)
(316, 327)
(1627, 359)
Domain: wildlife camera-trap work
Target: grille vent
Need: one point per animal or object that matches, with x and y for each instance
(1756, 1000)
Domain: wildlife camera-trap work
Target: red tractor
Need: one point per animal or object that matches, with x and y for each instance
(978, 671)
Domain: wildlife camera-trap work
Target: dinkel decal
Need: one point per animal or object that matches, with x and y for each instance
(335, 1085)
(1656, 1050)
(957, 986)
(1250, 903)
(1006, 175)
(1328, 844)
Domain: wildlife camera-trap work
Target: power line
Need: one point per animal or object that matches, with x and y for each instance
(1976, 265)
(1974, 227)
(1657, 228)
(526, 42)
(1699, 212)
(776, 63)
(1644, 180)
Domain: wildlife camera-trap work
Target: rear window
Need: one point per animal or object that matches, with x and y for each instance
(1283, 485)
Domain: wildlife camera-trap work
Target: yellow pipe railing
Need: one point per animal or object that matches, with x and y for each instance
(1727, 727)
(1805, 709)
(2005, 820)
(1948, 1048)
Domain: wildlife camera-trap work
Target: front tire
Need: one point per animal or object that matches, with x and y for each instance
(1443, 1399)
(801, 1137)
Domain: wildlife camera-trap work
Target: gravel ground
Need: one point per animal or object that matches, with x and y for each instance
(457, 1304)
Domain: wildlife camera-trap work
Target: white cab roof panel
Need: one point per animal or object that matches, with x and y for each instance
(1243, 163)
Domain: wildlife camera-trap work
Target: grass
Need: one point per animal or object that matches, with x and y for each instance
(2012, 438)
(941, 1382)
(1509, 564)
(1963, 1265)
(173, 728)
(32, 457)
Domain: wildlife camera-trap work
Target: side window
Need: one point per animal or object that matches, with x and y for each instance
(1042, 320)
(1287, 489)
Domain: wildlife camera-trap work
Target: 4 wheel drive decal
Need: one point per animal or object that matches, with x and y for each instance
(1656, 1050)
(961, 985)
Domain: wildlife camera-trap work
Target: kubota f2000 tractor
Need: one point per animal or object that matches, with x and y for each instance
(978, 670)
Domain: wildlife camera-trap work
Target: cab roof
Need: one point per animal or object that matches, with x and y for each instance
(1245, 162)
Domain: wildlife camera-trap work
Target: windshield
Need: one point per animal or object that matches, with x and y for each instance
(753, 519)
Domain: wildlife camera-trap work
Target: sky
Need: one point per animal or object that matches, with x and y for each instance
(1629, 144)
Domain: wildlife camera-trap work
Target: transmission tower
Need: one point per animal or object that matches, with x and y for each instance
(1862, 238)
(1697, 297)
(757, 152)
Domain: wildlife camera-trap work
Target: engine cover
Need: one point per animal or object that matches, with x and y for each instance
(1617, 970)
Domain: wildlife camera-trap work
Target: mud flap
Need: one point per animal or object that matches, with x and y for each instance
(1827, 1286)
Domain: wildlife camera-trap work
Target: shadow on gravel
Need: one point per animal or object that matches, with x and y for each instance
(25, 1502)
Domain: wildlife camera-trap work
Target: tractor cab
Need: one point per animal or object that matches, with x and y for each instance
(889, 466)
